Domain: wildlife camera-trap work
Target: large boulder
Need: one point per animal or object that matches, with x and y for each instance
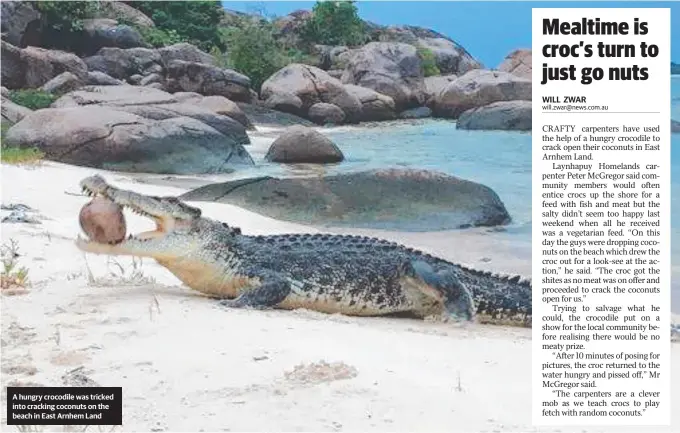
(451, 58)
(397, 199)
(103, 32)
(17, 20)
(62, 83)
(267, 117)
(311, 85)
(13, 113)
(32, 66)
(120, 11)
(374, 106)
(109, 138)
(517, 63)
(96, 78)
(506, 115)
(216, 104)
(157, 105)
(435, 84)
(300, 144)
(114, 96)
(393, 69)
(209, 80)
(477, 88)
(286, 102)
(322, 113)
(186, 52)
(123, 64)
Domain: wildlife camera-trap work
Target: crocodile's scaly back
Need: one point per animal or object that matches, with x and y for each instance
(354, 275)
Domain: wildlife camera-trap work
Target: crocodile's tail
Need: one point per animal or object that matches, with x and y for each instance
(499, 299)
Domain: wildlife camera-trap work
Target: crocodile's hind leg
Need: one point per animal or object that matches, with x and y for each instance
(457, 299)
(272, 290)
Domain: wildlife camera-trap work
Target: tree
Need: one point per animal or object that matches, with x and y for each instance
(334, 23)
(253, 50)
(196, 22)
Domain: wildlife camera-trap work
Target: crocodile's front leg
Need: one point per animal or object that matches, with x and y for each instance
(272, 290)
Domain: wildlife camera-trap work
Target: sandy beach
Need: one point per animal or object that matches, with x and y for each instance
(187, 364)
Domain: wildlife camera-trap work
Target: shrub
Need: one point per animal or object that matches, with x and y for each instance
(196, 22)
(158, 37)
(253, 50)
(428, 62)
(334, 23)
(32, 98)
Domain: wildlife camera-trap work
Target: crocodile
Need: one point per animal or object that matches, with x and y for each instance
(329, 273)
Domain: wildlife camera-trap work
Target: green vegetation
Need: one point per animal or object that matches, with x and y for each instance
(255, 51)
(158, 38)
(428, 61)
(32, 98)
(12, 276)
(195, 22)
(334, 23)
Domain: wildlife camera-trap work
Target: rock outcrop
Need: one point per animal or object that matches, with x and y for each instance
(477, 88)
(16, 20)
(32, 67)
(374, 106)
(130, 128)
(390, 68)
(517, 63)
(206, 79)
(62, 83)
(323, 113)
(505, 115)
(122, 64)
(397, 199)
(310, 85)
(103, 32)
(450, 57)
(11, 112)
(300, 144)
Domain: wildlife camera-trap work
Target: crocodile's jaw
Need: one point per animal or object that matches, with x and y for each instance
(174, 221)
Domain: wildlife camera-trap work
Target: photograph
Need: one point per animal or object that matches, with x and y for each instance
(300, 216)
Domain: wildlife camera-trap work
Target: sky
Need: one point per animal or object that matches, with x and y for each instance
(488, 30)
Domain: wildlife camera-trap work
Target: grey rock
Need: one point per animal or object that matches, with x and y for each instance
(477, 88)
(394, 199)
(518, 63)
(323, 113)
(62, 83)
(504, 115)
(393, 69)
(207, 80)
(32, 66)
(300, 144)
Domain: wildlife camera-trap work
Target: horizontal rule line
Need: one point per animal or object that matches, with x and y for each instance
(600, 112)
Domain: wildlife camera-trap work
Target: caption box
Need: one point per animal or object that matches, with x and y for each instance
(64, 405)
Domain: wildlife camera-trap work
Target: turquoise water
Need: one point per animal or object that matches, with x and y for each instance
(498, 159)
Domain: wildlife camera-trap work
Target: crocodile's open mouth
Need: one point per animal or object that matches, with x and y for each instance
(167, 213)
(163, 225)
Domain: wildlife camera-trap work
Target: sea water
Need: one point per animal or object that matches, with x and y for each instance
(500, 160)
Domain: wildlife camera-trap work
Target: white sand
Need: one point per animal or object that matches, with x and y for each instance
(185, 364)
